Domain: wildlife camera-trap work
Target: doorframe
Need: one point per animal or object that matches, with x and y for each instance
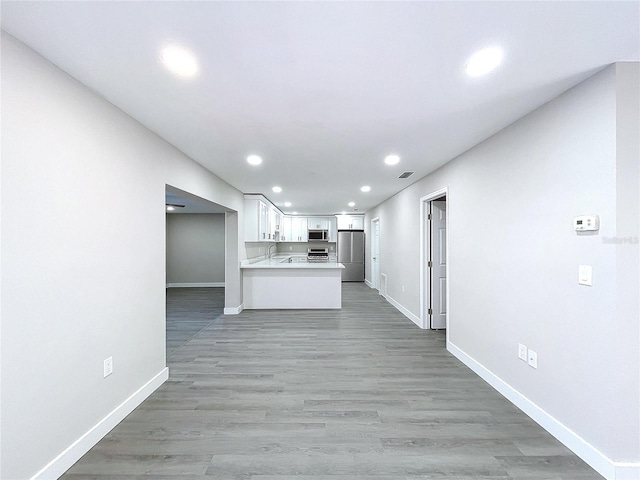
(375, 283)
(425, 244)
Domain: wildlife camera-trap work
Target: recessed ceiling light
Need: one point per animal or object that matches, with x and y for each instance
(254, 160)
(170, 208)
(392, 159)
(287, 204)
(484, 61)
(352, 204)
(366, 188)
(180, 61)
(294, 213)
(277, 189)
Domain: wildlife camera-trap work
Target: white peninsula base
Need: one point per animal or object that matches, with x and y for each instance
(287, 286)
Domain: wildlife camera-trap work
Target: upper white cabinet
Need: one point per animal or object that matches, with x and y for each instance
(299, 230)
(318, 223)
(333, 230)
(275, 220)
(350, 222)
(292, 229)
(285, 229)
(255, 220)
(262, 221)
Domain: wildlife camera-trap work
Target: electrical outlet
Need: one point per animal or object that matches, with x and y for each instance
(402, 288)
(290, 248)
(533, 359)
(585, 275)
(522, 352)
(108, 367)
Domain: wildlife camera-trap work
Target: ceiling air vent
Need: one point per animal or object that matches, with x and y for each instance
(406, 175)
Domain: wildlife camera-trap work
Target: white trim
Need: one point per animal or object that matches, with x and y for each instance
(200, 285)
(404, 311)
(587, 452)
(383, 283)
(626, 471)
(82, 445)
(372, 253)
(234, 310)
(368, 283)
(444, 191)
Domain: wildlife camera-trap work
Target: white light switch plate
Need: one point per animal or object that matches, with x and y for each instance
(108, 366)
(533, 359)
(585, 275)
(522, 352)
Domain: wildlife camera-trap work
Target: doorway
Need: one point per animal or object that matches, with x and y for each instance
(375, 254)
(434, 275)
(195, 266)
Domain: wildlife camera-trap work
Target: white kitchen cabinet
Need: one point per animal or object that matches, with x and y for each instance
(350, 222)
(294, 229)
(318, 223)
(285, 229)
(273, 226)
(255, 220)
(333, 229)
(261, 220)
(358, 222)
(299, 230)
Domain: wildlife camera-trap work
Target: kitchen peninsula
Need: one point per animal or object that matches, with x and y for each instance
(283, 283)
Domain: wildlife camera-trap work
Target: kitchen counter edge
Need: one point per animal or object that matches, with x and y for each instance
(281, 263)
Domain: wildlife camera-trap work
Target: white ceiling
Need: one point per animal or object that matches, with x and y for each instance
(323, 91)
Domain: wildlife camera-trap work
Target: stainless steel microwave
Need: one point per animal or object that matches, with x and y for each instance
(318, 235)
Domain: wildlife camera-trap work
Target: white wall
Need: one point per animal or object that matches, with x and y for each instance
(195, 248)
(83, 256)
(514, 258)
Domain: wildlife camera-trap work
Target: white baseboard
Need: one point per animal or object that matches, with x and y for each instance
(77, 449)
(198, 285)
(404, 311)
(372, 286)
(234, 310)
(587, 452)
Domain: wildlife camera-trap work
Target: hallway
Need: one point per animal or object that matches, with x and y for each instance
(357, 393)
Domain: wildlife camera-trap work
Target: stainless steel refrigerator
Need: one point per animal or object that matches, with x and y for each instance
(351, 255)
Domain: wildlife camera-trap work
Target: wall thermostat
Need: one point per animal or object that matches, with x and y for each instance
(586, 223)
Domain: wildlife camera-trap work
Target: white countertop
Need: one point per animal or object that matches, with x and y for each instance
(282, 261)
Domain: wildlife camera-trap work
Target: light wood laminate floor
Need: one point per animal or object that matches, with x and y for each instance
(359, 393)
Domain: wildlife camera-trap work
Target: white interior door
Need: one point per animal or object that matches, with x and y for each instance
(375, 254)
(438, 263)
